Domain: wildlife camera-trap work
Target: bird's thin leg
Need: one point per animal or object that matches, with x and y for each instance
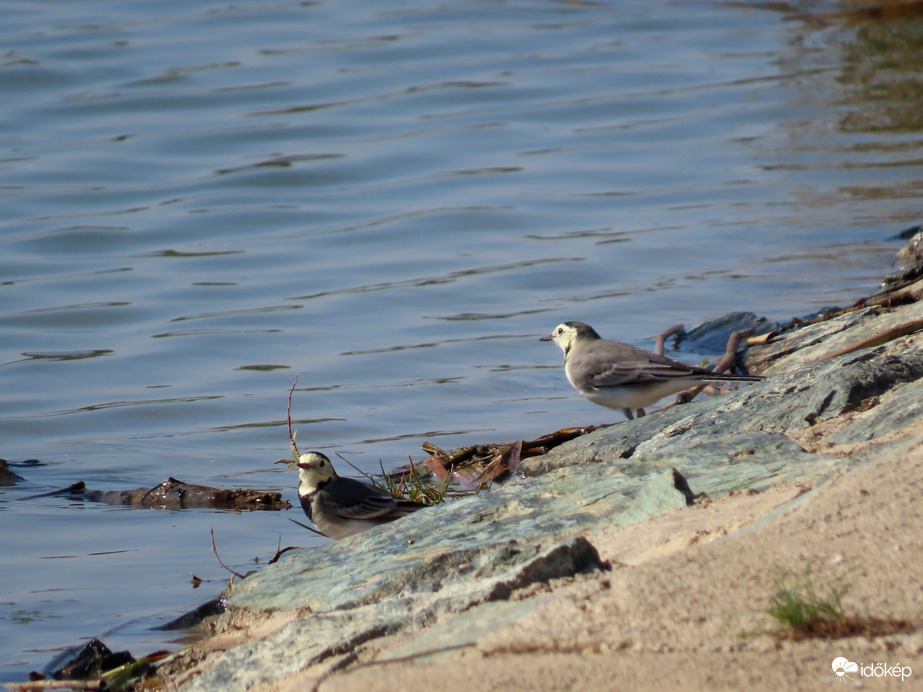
(628, 414)
(640, 413)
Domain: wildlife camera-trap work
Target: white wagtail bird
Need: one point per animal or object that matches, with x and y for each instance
(622, 376)
(340, 507)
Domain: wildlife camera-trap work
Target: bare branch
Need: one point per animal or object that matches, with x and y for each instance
(676, 330)
(215, 551)
(291, 435)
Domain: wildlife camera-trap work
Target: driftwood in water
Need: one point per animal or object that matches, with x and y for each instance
(7, 477)
(175, 494)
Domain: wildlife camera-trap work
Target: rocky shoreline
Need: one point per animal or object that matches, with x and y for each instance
(550, 575)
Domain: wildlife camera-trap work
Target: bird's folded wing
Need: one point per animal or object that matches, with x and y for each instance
(369, 507)
(639, 372)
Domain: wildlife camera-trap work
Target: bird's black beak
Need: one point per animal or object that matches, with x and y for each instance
(550, 337)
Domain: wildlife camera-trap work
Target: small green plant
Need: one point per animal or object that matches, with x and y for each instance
(798, 607)
(804, 613)
(408, 483)
(413, 486)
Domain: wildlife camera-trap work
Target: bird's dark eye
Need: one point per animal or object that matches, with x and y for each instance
(560, 330)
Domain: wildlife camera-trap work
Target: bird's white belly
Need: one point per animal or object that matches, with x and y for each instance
(636, 396)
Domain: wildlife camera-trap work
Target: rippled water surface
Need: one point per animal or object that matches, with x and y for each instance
(394, 201)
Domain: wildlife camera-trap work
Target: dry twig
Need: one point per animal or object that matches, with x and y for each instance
(676, 330)
(727, 362)
(220, 562)
(880, 338)
(291, 435)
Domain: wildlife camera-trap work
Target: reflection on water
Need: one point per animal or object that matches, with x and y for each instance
(393, 203)
(880, 62)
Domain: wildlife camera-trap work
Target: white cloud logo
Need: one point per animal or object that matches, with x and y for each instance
(841, 666)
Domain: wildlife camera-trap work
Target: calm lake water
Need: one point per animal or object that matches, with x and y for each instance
(393, 201)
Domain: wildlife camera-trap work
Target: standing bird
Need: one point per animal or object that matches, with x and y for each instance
(622, 376)
(340, 507)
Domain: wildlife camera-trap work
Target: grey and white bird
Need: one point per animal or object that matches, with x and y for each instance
(341, 507)
(622, 376)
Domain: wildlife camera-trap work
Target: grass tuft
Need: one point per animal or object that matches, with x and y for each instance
(413, 486)
(798, 607)
(803, 613)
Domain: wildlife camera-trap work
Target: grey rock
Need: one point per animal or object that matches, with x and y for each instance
(810, 343)
(794, 348)
(354, 596)
(300, 643)
(467, 628)
(902, 408)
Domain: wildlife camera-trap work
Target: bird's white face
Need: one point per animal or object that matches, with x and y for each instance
(313, 469)
(563, 335)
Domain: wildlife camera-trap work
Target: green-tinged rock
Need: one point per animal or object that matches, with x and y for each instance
(362, 588)
(805, 345)
(903, 407)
